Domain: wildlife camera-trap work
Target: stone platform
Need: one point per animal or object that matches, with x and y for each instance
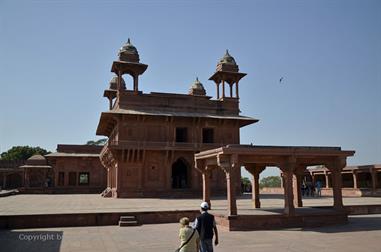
(26, 211)
(362, 233)
(275, 219)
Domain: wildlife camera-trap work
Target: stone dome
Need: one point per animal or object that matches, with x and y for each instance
(36, 160)
(197, 88)
(128, 53)
(114, 83)
(227, 59)
(227, 63)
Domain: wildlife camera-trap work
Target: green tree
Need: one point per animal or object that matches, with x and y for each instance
(101, 141)
(271, 181)
(245, 181)
(22, 153)
(245, 184)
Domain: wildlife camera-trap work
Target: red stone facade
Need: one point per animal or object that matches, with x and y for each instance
(153, 137)
(72, 169)
(77, 169)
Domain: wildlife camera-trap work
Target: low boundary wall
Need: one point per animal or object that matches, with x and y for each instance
(91, 219)
(270, 222)
(346, 192)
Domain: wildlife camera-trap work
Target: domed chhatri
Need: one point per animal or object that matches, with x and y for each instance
(128, 53)
(114, 83)
(36, 159)
(227, 59)
(197, 88)
(227, 63)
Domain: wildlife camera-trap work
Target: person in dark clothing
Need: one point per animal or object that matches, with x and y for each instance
(206, 225)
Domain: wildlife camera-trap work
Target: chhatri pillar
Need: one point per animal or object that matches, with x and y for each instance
(255, 171)
(206, 173)
(336, 167)
(374, 179)
(297, 186)
(326, 179)
(355, 180)
(230, 186)
(288, 173)
(206, 187)
(229, 164)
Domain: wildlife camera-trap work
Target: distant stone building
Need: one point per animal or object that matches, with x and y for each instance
(72, 169)
(361, 180)
(77, 169)
(153, 137)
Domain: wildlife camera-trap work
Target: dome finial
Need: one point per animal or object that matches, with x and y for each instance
(128, 52)
(197, 88)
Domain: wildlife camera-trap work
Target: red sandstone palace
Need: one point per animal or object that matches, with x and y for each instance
(166, 144)
(153, 137)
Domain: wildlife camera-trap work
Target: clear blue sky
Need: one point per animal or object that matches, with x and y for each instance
(55, 60)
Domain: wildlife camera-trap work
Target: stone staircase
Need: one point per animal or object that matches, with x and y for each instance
(107, 193)
(127, 221)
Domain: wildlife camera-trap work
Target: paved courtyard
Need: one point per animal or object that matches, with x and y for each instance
(362, 233)
(89, 203)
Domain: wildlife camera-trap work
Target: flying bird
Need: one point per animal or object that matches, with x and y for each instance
(280, 80)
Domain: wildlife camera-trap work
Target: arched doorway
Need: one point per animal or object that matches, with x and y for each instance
(180, 174)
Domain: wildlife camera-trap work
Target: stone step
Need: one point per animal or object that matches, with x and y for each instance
(128, 218)
(128, 223)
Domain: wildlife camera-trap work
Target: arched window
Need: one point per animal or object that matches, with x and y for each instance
(180, 174)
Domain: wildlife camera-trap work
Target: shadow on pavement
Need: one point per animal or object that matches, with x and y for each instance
(32, 241)
(355, 224)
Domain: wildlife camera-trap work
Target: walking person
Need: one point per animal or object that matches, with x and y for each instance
(318, 188)
(189, 237)
(206, 227)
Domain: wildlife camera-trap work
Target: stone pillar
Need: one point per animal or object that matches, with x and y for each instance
(136, 81)
(231, 89)
(218, 90)
(289, 208)
(255, 170)
(326, 179)
(374, 180)
(118, 183)
(26, 174)
(119, 80)
(4, 180)
(236, 89)
(223, 89)
(232, 204)
(288, 168)
(336, 167)
(255, 191)
(336, 187)
(281, 181)
(355, 180)
(206, 187)
(297, 189)
(110, 103)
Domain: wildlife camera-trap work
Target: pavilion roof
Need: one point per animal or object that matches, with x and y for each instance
(106, 117)
(274, 155)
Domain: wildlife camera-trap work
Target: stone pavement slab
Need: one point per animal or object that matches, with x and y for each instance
(90, 203)
(362, 233)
